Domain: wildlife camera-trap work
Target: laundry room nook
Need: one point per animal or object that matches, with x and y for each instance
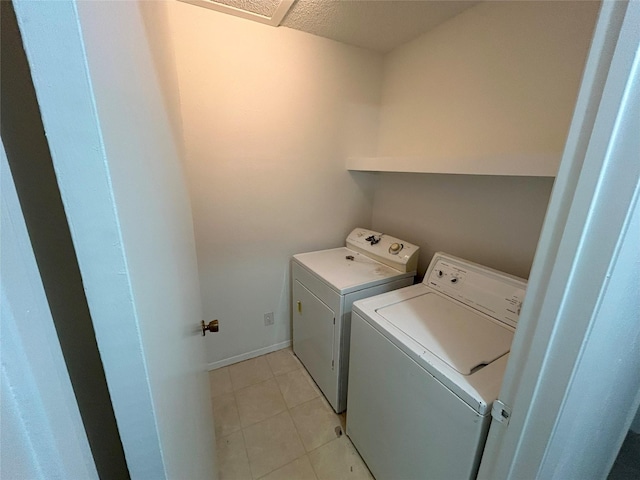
(449, 140)
(292, 140)
(305, 230)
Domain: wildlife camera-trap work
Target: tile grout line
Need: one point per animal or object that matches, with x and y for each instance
(242, 429)
(246, 452)
(267, 418)
(244, 440)
(288, 410)
(281, 466)
(306, 453)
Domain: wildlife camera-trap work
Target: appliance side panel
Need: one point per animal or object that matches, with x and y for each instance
(344, 330)
(394, 403)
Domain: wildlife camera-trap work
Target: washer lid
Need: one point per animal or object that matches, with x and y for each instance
(463, 339)
(347, 270)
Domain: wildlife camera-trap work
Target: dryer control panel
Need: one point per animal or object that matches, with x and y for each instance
(489, 291)
(391, 251)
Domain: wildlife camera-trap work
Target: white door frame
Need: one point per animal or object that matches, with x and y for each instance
(122, 185)
(52, 37)
(557, 357)
(41, 431)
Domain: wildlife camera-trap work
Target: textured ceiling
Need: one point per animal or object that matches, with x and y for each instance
(379, 25)
(261, 7)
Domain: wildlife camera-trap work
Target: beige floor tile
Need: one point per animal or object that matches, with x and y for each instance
(283, 361)
(297, 387)
(250, 410)
(339, 460)
(259, 402)
(299, 469)
(233, 463)
(225, 414)
(249, 372)
(272, 444)
(220, 382)
(315, 422)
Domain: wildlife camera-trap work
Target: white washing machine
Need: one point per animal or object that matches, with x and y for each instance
(324, 286)
(426, 364)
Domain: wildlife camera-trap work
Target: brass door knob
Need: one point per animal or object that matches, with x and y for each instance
(213, 326)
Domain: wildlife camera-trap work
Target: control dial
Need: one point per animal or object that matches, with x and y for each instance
(395, 248)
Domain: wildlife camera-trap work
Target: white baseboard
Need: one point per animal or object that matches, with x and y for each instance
(248, 355)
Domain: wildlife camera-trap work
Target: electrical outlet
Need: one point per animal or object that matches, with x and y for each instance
(268, 319)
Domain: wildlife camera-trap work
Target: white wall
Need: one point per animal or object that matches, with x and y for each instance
(494, 221)
(41, 432)
(269, 116)
(497, 84)
(125, 195)
(155, 16)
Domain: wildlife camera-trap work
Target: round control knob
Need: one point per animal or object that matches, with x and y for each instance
(394, 248)
(440, 273)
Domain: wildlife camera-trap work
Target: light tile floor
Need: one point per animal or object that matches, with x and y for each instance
(272, 423)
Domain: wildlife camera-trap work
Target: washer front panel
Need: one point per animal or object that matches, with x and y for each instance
(403, 421)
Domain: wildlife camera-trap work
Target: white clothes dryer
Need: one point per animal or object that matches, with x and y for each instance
(426, 364)
(324, 286)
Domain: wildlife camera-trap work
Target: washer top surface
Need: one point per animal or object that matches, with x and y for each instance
(346, 270)
(457, 335)
(457, 324)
